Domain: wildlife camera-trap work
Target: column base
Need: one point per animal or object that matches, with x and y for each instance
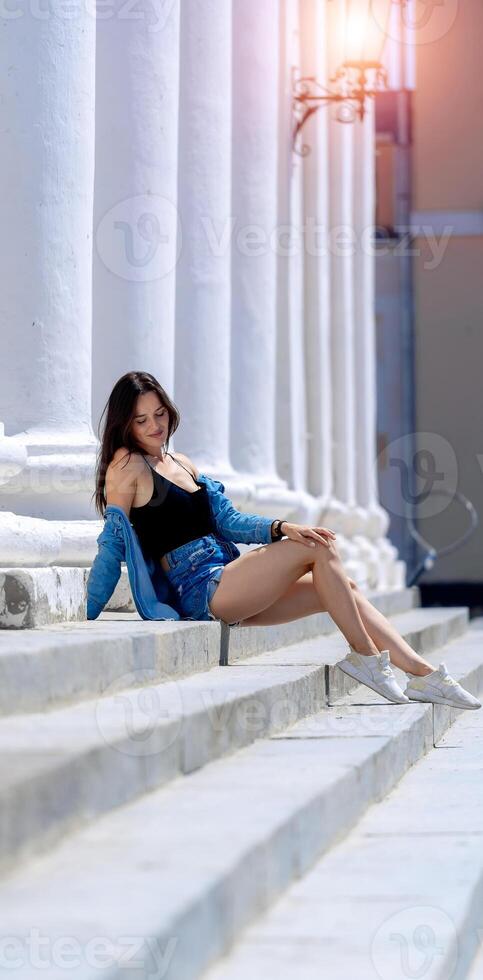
(56, 481)
(36, 543)
(13, 457)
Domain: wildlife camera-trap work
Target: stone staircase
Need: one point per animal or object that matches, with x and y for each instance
(155, 806)
(400, 896)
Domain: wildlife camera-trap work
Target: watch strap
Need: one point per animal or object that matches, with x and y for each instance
(277, 530)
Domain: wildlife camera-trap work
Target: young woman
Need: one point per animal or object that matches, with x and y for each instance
(300, 575)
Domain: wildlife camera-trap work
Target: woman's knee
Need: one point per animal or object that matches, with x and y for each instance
(325, 552)
(302, 556)
(295, 555)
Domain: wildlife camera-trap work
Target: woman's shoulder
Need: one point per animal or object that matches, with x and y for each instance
(187, 462)
(129, 459)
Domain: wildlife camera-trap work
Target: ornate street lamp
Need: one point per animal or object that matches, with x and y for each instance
(363, 31)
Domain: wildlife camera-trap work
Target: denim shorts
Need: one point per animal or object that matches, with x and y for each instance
(195, 570)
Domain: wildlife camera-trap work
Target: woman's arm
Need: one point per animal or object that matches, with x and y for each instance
(121, 479)
(261, 525)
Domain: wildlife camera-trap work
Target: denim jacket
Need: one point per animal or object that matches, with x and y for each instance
(152, 592)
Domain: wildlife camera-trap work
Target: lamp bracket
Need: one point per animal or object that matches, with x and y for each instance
(354, 82)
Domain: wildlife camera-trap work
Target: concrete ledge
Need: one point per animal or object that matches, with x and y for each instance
(31, 597)
(44, 668)
(34, 597)
(41, 670)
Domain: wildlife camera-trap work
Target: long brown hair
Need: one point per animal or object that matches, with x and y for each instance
(120, 408)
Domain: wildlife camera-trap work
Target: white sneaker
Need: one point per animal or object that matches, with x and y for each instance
(375, 672)
(440, 688)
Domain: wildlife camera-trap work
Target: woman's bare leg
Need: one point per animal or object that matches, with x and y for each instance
(301, 599)
(256, 579)
(387, 637)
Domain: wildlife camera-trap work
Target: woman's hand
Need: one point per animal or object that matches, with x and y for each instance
(310, 536)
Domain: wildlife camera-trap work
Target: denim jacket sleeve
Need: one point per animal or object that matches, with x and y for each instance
(105, 571)
(150, 590)
(231, 524)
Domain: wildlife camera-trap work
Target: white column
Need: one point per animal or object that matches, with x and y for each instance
(375, 547)
(256, 55)
(203, 293)
(47, 166)
(136, 228)
(343, 372)
(317, 265)
(399, 53)
(392, 56)
(409, 16)
(291, 354)
(346, 518)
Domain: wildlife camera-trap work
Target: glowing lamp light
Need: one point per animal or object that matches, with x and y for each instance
(364, 30)
(361, 34)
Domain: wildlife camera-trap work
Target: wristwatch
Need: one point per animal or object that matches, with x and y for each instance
(276, 531)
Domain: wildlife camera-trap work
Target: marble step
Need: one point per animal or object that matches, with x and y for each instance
(67, 662)
(401, 896)
(60, 769)
(475, 970)
(168, 882)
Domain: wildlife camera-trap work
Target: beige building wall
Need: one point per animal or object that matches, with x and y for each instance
(448, 277)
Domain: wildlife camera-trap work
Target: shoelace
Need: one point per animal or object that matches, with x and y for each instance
(450, 682)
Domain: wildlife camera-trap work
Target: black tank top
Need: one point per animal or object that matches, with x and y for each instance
(173, 516)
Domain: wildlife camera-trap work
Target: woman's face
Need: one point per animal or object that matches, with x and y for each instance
(150, 423)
